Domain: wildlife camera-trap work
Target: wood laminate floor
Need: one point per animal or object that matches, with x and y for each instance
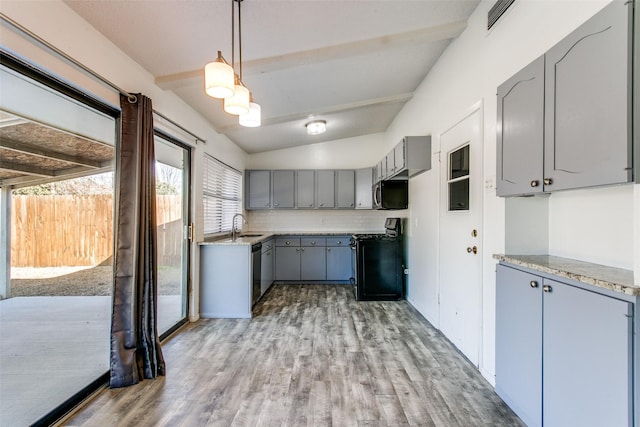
(312, 356)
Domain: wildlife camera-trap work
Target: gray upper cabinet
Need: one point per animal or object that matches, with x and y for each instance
(258, 188)
(283, 188)
(325, 189)
(364, 182)
(582, 137)
(381, 170)
(346, 189)
(410, 157)
(305, 189)
(520, 132)
(588, 103)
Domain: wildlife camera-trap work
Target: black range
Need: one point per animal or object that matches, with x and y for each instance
(379, 269)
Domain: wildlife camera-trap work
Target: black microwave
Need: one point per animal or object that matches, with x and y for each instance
(391, 195)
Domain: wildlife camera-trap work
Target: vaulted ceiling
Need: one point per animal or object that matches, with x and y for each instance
(352, 63)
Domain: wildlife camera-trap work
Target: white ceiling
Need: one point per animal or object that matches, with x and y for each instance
(352, 63)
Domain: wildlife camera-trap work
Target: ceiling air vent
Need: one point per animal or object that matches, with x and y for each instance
(497, 10)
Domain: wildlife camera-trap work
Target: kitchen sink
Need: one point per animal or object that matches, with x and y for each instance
(249, 235)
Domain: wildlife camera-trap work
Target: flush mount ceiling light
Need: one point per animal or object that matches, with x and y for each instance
(316, 127)
(221, 80)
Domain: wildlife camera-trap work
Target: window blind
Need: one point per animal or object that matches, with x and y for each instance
(222, 195)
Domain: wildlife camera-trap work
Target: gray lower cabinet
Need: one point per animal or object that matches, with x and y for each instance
(339, 265)
(520, 132)
(267, 265)
(313, 258)
(325, 189)
(564, 121)
(283, 188)
(519, 342)
(345, 189)
(564, 354)
(258, 189)
(364, 183)
(305, 189)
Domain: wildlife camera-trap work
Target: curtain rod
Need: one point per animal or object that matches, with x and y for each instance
(132, 97)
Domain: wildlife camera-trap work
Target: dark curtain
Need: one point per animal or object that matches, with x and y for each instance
(135, 346)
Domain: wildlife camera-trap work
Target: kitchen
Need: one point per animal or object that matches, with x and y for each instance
(597, 225)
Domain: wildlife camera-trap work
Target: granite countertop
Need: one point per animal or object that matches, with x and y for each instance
(261, 236)
(602, 276)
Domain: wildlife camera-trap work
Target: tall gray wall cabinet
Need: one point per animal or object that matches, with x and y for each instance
(586, 133)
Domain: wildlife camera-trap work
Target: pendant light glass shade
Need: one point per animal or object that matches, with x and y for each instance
(253, 118)
(219, 78)
(239, 102)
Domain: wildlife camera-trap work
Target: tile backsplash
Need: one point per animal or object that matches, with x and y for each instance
(352, 221)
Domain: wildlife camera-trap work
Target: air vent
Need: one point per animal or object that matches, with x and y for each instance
(497, 10)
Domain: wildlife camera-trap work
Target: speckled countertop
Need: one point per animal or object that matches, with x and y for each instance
(602, 276)
(251, 237)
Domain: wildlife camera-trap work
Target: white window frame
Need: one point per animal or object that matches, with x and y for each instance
(221, 195)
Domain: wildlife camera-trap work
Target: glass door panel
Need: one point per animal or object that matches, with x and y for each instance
(172, 214)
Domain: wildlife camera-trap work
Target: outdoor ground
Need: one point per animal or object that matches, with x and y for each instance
(79, 281)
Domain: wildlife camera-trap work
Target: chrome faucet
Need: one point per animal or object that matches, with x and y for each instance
(234, 231)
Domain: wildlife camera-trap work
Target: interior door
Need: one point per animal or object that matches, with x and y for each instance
(460, 264)
(173, 230)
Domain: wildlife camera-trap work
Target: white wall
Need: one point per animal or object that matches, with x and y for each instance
(56, 23)
(469, 72)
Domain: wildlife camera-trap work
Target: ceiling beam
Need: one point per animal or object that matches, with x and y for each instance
(28, 170)
(28, 181)
(323, 54)
(38, 152)
(394, 99)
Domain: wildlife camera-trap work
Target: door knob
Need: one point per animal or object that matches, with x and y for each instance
(472, 249)
(534, 183)
(548, 181)
(546, 288)
(533, 284)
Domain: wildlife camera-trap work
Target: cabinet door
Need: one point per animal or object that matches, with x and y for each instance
(267, 263)
(390, 164)
(305, 189)
(587, 358)
(259, 189)
(519, 342)
(364, 182)
(346, 188)
(325, 188)
(520, 132)
(287, 263)
(588, 103)
(338, 262)
(398, 157)
(313, 264)
(283, 189)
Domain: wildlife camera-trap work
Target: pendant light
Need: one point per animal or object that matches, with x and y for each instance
(251, 119)
(316, 127)
(219, 78)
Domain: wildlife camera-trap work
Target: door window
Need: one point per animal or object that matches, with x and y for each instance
(458, 183)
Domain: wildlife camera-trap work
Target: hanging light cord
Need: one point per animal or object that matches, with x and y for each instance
(240, 35)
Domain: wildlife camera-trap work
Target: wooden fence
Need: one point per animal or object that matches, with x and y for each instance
(63, 230)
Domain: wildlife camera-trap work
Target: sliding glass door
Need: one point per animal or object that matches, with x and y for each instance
(172, 213)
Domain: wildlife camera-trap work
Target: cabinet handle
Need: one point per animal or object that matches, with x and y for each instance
(535, 183)
(313, 243)
(328, 249)
(339, 242)
(310, 205)
(548, 181)
(287, 243)
(321, 204)
(297, 249)
(302, 249)
(266, 204)
(277, 204)
(351, 205)
(533, 284)
(546, 288)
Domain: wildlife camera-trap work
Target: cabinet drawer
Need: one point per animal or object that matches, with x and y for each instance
(338, 241)
(287, 241)
(313, 241)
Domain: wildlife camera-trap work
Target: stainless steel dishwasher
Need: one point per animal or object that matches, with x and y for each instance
(256, 265)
